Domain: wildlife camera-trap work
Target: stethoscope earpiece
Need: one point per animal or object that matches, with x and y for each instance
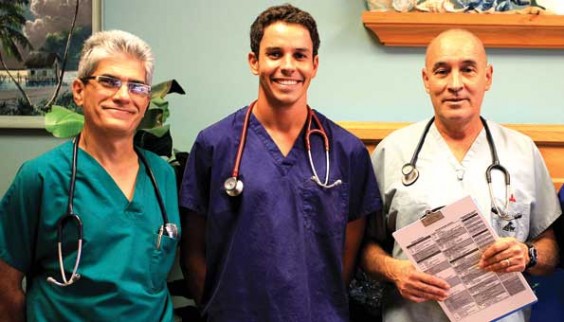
(410, 174)
(233, 187)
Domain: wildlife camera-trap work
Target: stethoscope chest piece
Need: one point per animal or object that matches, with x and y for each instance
(233, 187)
(410, 174)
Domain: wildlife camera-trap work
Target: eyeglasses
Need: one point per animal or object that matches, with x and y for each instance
(115, 84)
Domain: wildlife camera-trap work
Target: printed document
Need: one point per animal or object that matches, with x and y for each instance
(448, 243)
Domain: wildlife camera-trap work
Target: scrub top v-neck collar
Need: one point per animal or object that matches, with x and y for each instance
(98, 173)
(443, 146)
(285, 163)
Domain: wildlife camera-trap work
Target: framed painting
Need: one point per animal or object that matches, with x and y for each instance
(31, 71)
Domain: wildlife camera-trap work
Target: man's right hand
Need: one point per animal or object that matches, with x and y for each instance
(12, 298)
(417, 286)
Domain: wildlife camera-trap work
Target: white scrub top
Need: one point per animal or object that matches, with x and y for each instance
(443, 180)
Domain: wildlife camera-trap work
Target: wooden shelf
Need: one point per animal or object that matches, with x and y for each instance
(416, 29)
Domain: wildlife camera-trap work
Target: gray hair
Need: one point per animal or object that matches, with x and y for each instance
(104, 44)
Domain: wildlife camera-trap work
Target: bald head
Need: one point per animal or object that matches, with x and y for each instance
(456, 76)
(456, 37)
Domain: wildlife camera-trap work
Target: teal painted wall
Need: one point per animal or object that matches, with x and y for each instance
(204, 45)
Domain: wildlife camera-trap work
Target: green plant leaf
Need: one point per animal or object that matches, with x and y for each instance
(166, 87)
(158, 131)
(63, 123)
(152, 118)
(160, 104)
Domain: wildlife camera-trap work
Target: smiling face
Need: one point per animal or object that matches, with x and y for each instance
(456, 76)
(112, 111)
(285, 64)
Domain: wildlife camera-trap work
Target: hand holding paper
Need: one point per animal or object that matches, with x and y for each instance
(505, 255)
(450, 244)
(417, 286)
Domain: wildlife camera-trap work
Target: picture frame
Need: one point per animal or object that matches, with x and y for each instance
(8, 89)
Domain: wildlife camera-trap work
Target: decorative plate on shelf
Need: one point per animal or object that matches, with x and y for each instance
(475, 6)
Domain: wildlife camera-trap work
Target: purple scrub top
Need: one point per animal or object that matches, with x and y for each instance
(274, 253)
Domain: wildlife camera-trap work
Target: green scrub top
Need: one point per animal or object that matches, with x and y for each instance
(123, 274)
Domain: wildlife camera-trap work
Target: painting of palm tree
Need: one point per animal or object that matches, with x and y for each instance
(40, 47)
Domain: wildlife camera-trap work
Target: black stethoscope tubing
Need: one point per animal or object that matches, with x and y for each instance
(495, 160)
(70, 215)
(148, 171)
(410, 167)
(411, 174)
(409, 170)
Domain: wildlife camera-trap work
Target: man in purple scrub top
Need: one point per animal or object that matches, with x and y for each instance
(282, 245)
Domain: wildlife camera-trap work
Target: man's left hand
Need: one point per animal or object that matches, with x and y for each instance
(507, 254)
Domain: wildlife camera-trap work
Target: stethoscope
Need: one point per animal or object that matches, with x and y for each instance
(234, 186)
(168, 229)
(410, 174)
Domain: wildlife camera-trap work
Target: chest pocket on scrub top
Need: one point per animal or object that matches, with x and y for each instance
(324, 211)
(161, 261)
(518, 227)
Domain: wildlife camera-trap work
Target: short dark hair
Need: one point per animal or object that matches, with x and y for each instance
(285, 13)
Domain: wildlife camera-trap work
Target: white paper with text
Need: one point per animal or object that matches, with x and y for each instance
(448, 244)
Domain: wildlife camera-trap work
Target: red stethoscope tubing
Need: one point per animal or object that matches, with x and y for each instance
(311, 117)
(233, 186)
(237, 165)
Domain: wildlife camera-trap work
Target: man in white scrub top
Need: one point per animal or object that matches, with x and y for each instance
(452, 164)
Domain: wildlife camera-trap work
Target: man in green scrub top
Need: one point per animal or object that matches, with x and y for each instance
(124, 261)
